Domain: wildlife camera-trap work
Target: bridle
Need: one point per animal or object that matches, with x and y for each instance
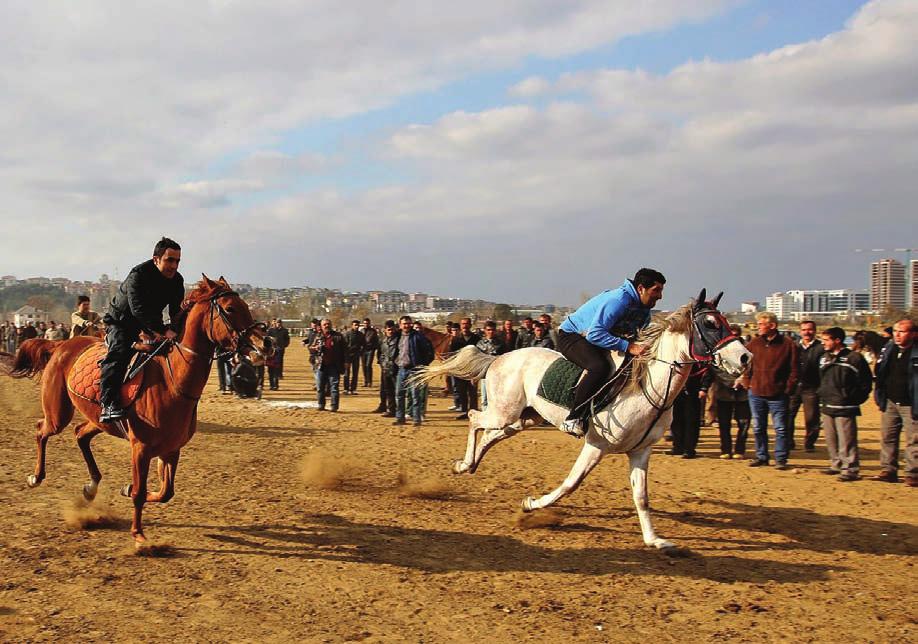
(241, 338)
(705, 345)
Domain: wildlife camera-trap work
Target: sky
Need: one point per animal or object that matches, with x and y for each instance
(520, 151)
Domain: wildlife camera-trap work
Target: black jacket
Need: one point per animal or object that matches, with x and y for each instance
(355, 342)
(138, 305)
(281, 336)
(460, 342)
(883, 367)
(524, 338)
(808, 364)
(845, 383)
(329, 357)
(388, 349)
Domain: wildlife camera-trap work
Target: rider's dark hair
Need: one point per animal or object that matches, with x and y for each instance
(647, 277)
(82, 298)
(835, 332)
(163, 245)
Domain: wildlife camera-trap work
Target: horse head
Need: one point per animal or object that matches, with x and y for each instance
(228, 322)
(712, 338)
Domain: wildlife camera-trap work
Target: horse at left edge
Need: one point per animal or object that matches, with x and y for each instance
(163, 416)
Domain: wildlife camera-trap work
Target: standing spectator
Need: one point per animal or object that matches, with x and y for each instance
(355, 342)
(806, 394)
(686, 425)
(28, 332)
(329, 349)
(465, 390)
(540, 337)
(845, 383)
(552, 333)
(525, 335)
(508, 335)
(771, 377)
(224, 371)
(388, 370)
(896, 395)
(414, 350)
(273, 364)
(370, 347)
(281, 337)
(12, 338)
(55, 332)
(858, 345)
(84, 321)
(492, 344)
(732, 404)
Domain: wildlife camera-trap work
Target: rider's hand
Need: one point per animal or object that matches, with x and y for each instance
(636, 349)
(703, 393)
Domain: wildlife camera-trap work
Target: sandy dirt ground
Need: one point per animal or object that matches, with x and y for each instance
(399, 549)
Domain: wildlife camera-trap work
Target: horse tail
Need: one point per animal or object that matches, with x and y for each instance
(33, 357)
(469, 363)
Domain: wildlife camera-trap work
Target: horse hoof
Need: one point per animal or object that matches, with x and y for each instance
(526, 505)
(33, 481)
(126, 490)
(90, 490)
(460, 467)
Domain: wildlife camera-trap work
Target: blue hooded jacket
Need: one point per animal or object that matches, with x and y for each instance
(605, 318)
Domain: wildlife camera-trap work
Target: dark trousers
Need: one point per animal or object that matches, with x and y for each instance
(686, 423)
(115, 363)
(387, 391)
(595, 360)
(279, 354)
(367, 362)
(465, 395)
(274, 377)
(223, 373)
(727, 411)
(351, 370)
(809, 400)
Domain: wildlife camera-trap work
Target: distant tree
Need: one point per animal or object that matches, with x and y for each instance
(503, 312)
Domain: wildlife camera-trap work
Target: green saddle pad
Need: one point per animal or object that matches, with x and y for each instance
(559, 384)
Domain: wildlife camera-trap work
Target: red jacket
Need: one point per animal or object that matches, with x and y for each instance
(773, 371)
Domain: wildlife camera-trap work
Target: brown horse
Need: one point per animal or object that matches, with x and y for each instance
(164, 415)
(439, 340)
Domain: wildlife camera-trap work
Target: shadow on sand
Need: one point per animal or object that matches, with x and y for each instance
(334, 538)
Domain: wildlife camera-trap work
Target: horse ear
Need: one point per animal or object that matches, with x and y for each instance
(716, 300)
(222, 280)
(699, 301)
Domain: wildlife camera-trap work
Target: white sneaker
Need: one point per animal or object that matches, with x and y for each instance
(574, 427)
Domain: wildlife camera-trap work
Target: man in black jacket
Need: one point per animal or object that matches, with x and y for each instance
(281, 337)
(466, 397)
(355, 343)
(388, 350)
(138, 307)
(844, 384)
(809, 351)
(370, 347)
(897, 397)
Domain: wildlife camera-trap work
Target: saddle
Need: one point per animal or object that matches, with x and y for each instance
(83, 380)
(560, 381)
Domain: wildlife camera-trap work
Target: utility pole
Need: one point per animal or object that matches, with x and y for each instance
(909, 304)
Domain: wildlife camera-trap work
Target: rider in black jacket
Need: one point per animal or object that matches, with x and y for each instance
(138, 306)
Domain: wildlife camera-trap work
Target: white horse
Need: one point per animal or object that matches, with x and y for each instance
(631, 424)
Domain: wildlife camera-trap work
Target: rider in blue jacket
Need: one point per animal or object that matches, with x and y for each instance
(608, 322)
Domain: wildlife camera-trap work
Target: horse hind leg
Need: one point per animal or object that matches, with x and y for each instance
(166, 468)
(464, 465)
(57, 409)
(589, 458)
(84, 435)
(489, 439)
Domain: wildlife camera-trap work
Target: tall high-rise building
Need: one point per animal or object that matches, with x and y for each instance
(913, 283)
(887, 284)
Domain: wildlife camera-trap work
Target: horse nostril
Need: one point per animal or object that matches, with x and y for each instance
(744, 360)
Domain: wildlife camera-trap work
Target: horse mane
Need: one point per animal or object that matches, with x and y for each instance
(203, 291)
(679, 321)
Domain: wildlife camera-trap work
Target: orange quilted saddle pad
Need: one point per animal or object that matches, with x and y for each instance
(84, 377)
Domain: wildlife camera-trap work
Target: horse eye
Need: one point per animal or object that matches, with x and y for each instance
(230, 309)
(710, 322)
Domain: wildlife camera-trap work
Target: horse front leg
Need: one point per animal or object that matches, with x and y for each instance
(84, 435)
(589, 458)
(137, 489)
(638, 460)
(166, 467)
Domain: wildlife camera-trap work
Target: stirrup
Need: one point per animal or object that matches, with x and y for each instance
(110, 413)
(574, 427)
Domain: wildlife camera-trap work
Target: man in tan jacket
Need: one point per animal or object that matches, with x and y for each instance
(83, 321)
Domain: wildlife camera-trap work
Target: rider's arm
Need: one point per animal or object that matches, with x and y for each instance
(151, 320)
(605, 317)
